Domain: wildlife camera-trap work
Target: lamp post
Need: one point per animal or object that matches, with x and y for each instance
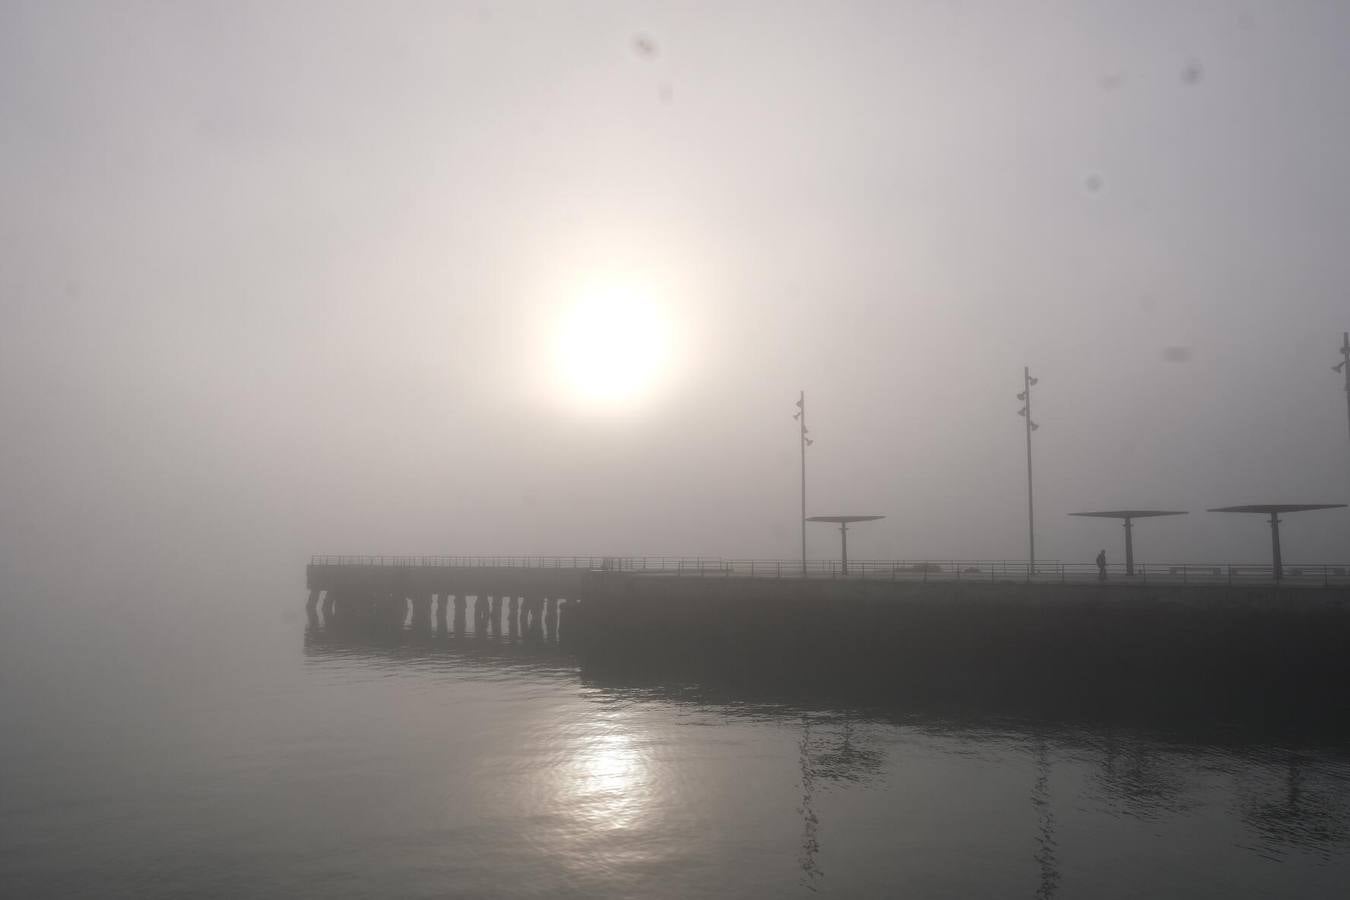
(800, 416)
(1344, 367)
(1025, 412)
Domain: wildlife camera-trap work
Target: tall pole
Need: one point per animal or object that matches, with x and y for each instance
(1025, 411)
(800, 416)
(802, 403)
(1031, 503)
(1345, 367)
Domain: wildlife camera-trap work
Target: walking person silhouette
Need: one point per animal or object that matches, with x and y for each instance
(1101, 566)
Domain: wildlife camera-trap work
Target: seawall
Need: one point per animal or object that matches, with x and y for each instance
(1207, 649)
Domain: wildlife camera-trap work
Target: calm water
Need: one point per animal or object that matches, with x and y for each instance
(209, 749)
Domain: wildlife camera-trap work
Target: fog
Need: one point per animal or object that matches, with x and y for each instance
(288, 279)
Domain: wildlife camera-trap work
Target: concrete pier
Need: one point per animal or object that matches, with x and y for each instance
(1198, 652)
(1096, 643)
(1165, 635)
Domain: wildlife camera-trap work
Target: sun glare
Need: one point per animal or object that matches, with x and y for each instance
(613, 346)
(608, 782)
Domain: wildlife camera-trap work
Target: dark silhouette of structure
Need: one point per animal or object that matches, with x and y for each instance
(843, 523)
(800, 416)
(1027, 383)
(1273, 510)
(1129, 515)
(1344, 367)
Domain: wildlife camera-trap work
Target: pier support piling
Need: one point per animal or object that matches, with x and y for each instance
(480, 611)
(551, 617)
(421, 611)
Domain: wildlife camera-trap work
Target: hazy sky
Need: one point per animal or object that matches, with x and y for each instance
(282, 278)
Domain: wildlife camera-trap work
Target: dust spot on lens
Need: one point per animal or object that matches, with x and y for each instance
(1177, 354)
(644, 46)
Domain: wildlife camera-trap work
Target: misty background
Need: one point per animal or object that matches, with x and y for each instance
(280, 279)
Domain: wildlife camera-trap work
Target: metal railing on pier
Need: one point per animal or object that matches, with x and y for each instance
(884, 570)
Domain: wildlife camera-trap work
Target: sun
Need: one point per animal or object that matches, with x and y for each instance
(613, 347)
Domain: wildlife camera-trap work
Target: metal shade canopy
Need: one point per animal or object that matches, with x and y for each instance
(843, 522)
(1129, 515)
(1273, 510)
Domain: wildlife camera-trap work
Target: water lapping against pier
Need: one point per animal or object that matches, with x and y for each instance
(425, 760)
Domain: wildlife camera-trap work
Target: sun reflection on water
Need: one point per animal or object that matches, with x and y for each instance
(607, 780)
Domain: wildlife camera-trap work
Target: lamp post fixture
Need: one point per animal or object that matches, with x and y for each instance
(1025, 412)
(800, 416)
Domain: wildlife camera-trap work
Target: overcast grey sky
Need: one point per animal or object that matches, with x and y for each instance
(282, 278)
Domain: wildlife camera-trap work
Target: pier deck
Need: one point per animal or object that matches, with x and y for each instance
(533, 589)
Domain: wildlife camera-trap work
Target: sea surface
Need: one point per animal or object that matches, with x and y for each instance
(202, 746)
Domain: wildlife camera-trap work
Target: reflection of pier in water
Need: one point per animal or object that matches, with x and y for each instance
(1292, 790)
